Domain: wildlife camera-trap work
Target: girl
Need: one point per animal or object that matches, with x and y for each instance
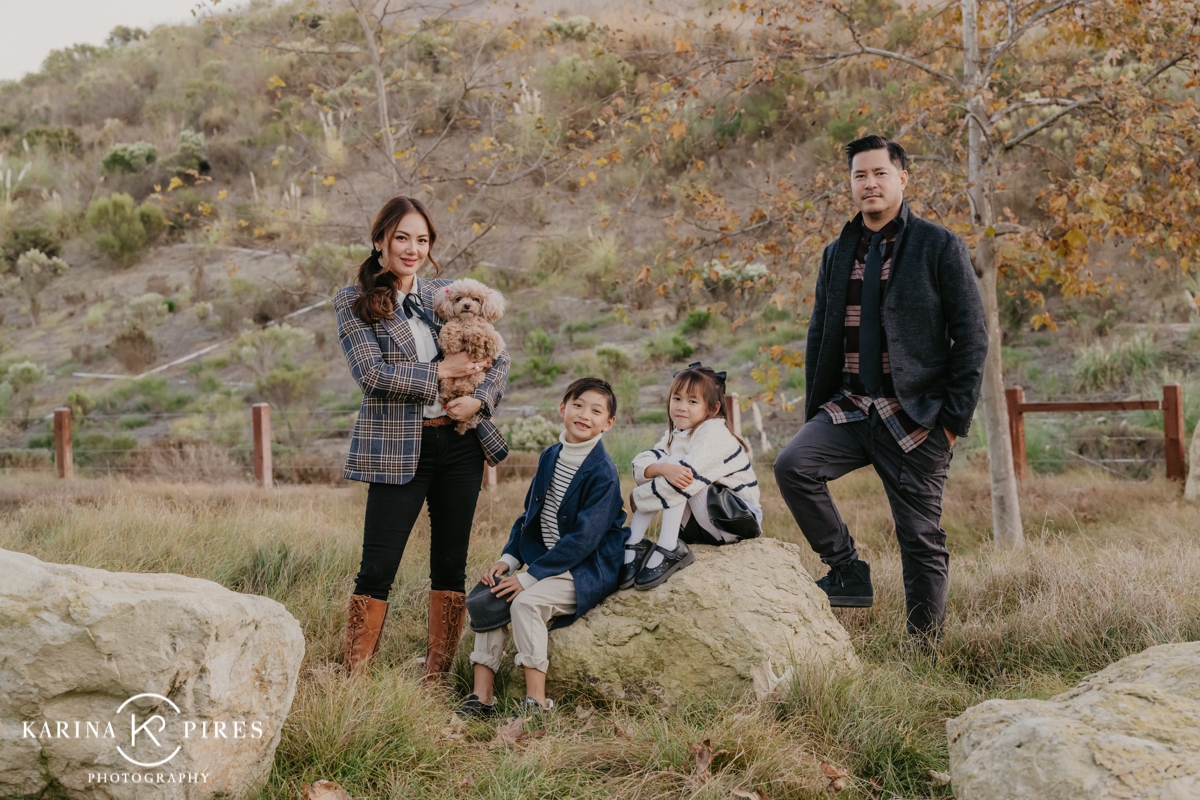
(405, 444)
(699, 475)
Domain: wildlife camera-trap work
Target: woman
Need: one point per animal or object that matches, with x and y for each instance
(405, 444)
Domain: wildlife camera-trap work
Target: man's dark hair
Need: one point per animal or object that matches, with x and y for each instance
(895, 151)
(577, 389)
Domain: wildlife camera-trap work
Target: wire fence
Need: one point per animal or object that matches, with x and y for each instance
(310, 445)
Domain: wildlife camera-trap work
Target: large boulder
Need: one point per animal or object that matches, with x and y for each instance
(215, 670)
(1130, 731)
(736, 611)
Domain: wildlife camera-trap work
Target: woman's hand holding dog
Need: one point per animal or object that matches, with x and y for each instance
(461, 409)
(678, 476)
(493, 573)
(460, 365)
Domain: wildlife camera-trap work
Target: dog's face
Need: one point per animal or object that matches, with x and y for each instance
(469, 297)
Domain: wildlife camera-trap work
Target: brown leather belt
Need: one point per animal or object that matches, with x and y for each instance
(436, 422)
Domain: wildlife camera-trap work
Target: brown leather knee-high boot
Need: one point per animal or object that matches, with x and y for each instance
(364, 624)
(447, 610)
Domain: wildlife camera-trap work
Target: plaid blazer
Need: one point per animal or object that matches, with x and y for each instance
(396, 387)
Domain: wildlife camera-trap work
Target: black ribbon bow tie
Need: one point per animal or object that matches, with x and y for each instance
(412, 305)
(696, 364)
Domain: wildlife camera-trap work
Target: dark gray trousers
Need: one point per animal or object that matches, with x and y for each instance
(914, 482)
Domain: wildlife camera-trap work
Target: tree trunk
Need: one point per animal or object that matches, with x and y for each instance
(1006, 507)
(385, 122)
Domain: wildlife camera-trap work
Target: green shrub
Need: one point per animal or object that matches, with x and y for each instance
(22, 239)
(17, 382)
(153, 220)
(531, 433)
(614, 361)
(669, 348)
(1099, 367)
(577, 27)
(574, 80)
(147, 311)
(57, 140)
(129, 157)
(122, 229)
(539, 343)
(34, 272)
(696, 320)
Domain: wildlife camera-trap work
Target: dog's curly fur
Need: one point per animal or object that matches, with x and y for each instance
(469, 309)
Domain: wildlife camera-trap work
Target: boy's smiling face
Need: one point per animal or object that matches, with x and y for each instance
(586, 416)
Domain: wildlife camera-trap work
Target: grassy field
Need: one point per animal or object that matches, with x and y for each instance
(1110, 569)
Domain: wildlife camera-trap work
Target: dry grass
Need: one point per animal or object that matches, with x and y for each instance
(1110, 569)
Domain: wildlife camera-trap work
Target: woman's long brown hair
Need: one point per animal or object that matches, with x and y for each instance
(379, 284)
(704, 383)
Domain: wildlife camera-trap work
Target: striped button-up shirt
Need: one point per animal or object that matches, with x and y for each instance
(853, 403)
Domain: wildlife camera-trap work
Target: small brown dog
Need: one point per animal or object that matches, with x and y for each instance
(469, 309)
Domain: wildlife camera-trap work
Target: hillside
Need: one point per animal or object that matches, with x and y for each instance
(201, 182)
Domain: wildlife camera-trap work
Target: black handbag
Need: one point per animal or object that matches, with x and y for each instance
(729, 514)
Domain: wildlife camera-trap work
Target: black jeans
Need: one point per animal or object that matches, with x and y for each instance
(449, 475)
(914, 482)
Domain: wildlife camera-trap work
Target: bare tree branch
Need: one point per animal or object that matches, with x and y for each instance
(1166, 66)
(829, 58)
(1041, 101)
(1015, 36)
(1046, 123)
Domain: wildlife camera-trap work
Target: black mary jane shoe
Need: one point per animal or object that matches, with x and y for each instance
(473, 708)
(642, 551)
(673, 560)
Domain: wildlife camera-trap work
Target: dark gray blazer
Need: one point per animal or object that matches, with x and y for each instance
(932, 315)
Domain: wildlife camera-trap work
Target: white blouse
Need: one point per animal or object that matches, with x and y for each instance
(423, 336)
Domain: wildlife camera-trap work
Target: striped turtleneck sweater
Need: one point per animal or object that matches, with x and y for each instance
(570, 459)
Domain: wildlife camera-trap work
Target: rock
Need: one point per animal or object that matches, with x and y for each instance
(1130, 731)
(707, 630)
(78, 647)
(1191, 489)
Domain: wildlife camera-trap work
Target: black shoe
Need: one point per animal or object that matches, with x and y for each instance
(473, 708)
(530, 708)
(673, 560)
(849, 586)
(629, 571)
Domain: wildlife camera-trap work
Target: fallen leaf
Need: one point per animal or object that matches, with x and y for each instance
(939, 778)
(746, 793)
(704, 755)
(583, 712)
(323, 790)
(456, 729)
(513, 732)
(467, 782)
(837, 776)
(876, 784)
(624, 731)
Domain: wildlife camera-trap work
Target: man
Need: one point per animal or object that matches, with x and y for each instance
(895, 352)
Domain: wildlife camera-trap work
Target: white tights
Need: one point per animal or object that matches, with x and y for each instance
(673, 520)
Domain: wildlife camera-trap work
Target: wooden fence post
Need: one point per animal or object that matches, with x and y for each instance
(1191, 489)
(1014, 397)
(733, 412)
(64, 459)
(1173, 431)
(260, 415)
(490, 477)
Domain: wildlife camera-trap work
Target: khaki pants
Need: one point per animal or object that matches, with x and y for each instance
(531, 613)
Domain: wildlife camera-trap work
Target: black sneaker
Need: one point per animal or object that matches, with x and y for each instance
(629, 571)
(473, 708)
(531, 708)
(673, 560)
(849, 586)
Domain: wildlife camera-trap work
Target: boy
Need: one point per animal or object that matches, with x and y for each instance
(571, 536)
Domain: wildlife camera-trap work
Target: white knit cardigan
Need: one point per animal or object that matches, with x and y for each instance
(712, 454)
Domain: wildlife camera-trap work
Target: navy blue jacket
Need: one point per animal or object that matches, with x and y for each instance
(591, 524)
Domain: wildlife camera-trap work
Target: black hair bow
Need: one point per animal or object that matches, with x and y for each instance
(698, 365)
